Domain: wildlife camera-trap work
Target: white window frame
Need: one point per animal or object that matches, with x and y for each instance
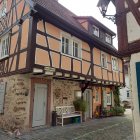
(3, 10)
(96, 31)
(114, 64)
(71, 47)
(76, 40)
(66, 36)
(108, 99)
(4, 53)
(108, 38)
(106, 66)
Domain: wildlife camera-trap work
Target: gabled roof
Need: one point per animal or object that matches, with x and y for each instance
(54, 12)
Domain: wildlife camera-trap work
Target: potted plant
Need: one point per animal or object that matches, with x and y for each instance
(80, 105)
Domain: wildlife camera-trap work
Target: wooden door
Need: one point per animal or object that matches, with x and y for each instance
(40, 102)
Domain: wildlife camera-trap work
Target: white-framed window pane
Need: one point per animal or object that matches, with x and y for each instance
(4, 46)
(104, 60)
(77, 49)
(108, 38)
(3, 8)
(96, 31)
(65, 45)
(114, 63)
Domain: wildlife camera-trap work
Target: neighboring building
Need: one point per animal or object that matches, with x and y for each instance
(125, 92)
(128, 24)
(48, 57)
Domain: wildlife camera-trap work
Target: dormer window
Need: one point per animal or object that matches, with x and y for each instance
(108, 38)
(3, 8)
(95, 31)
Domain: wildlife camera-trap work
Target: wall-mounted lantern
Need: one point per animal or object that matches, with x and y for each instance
(103, 5)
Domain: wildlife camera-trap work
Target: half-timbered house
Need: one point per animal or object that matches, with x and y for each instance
(48, 57)
(128, 25)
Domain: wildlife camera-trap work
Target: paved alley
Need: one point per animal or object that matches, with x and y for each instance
(111, 128)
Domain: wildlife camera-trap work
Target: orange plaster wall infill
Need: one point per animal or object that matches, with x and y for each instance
(109, 58)
(114, 76)
(15, 29)
(55, 59)
(66, 63)
(20, 8)
(76, 66)
(117, 77)
(96, 56)
(24, 36)
(52, 30)
(85, 46)
(9, 2)
(86, 55)
(85, 67)
(14, 39)
(110, 76)
(41, 40)
(42, 57)
(22, 60)
(98, 72)
(121, 77)
(27, 9)
(120, 65)
(109, 67)
(105, 77)
(13, 68)
(40, 26)
(54, 44)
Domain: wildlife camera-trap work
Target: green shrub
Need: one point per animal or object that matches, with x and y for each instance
(80, 105)
(119, 110)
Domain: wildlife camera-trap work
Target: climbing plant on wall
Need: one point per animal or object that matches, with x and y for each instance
(116, 96)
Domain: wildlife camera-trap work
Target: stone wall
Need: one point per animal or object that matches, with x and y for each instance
(63, 92)
(16, 104)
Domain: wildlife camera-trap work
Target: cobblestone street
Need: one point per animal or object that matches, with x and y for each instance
(111, 128)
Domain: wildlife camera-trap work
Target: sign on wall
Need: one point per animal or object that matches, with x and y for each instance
(2, 95)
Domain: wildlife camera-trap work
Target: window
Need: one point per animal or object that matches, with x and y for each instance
(96, 31)
(77, 49)
(71, 46)
(3, 8)
(114, 63)
(104, 60)
(4, 46)
(66, 45)
(2, 94)
(108, 99)
(128, 94)
(78, 94)
(108, 38)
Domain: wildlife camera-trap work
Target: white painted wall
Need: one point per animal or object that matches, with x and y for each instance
(123, 91)
(133, 83)
(133, 28)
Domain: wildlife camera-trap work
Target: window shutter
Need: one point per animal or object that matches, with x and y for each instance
(2, 94)
(104, 98)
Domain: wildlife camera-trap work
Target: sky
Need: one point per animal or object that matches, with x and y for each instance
(89, 8)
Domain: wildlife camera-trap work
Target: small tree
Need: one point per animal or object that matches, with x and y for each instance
(117, 96)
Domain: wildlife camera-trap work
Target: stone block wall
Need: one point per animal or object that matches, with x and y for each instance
(63, 92)
(16, 104)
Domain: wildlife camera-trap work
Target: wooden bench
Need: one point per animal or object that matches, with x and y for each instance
(64, 112)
